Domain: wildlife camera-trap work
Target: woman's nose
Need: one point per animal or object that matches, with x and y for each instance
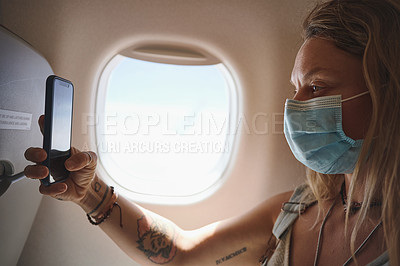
(302, 95)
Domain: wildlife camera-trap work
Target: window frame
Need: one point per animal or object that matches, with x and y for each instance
(221, 168)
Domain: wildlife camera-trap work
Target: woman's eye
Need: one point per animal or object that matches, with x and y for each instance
(316, 88)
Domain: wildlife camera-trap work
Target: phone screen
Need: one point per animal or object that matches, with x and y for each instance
(58, 126)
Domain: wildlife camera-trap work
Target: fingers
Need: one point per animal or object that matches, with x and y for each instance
(41, 123)
(36, 171)
(53, 190)
(80, 160)
(36, 155)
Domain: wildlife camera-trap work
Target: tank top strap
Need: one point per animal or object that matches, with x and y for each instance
(290, 211)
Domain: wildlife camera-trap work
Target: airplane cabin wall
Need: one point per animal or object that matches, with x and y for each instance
(23, 72)
(257, 41)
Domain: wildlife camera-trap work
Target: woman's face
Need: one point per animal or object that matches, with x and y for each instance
(322, 69)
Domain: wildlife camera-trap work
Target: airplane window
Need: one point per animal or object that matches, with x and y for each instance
(165, 131)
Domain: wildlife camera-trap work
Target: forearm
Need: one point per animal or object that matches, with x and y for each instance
(144, 236)
(150, 239)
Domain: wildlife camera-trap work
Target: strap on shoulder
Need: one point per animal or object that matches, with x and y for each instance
(290, 211)
(382, 260)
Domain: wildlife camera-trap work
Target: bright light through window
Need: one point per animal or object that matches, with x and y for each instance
(164, 128)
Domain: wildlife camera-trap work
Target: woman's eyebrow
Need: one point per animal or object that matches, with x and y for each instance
(318, 70)
(315, 71)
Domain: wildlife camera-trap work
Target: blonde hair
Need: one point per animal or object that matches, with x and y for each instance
(369, 29)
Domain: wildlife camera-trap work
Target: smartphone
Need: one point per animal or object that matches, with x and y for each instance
(57, 127)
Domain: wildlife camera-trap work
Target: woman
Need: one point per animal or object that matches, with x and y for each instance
(343, 124)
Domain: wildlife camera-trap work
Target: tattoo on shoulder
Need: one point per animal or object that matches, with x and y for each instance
(230, 256)
(156, 240)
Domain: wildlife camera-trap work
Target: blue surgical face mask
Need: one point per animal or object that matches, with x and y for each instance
(313, 130)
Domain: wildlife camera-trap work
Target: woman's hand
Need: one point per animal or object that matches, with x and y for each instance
(81, 165)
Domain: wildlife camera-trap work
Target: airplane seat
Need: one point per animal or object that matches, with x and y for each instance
(23, 73)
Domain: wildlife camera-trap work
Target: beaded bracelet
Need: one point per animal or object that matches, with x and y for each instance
(103, 216)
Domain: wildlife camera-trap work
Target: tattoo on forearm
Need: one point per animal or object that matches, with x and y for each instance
(101, 202)
(156, 240)
(230, 256)
(97, 186)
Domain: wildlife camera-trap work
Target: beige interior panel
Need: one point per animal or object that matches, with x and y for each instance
(257, 40)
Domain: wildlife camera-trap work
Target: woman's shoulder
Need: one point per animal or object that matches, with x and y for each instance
(299, 194)
(276, 202)
(272, 206)
(265, 214)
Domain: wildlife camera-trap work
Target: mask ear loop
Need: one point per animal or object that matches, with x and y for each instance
(355, 96)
